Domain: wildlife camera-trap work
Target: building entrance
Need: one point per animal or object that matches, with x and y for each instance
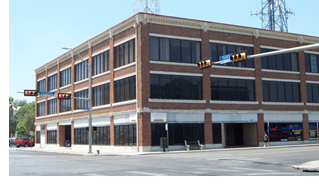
(241, 134)
(64, 134)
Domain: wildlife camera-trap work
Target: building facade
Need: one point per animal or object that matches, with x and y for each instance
(146, 85)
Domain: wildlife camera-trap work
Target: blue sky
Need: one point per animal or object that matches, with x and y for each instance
(37, 29)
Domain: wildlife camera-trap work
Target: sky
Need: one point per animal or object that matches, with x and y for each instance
(38, 29)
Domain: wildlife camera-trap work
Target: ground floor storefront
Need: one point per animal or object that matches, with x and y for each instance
(213, 129)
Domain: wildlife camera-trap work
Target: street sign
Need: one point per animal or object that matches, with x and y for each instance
(85, 108)
(45, 93)
(225, 59)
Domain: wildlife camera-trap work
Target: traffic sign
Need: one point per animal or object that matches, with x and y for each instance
(85, 108)
(225, 59)
(45, 93)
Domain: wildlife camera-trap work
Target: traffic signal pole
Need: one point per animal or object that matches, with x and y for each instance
(289, 50)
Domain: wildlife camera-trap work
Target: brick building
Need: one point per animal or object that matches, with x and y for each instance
(145, 80)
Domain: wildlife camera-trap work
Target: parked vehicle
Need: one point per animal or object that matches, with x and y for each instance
(26, 141)
(11, 141)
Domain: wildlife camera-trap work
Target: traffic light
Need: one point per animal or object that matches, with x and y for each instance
(240, 56)
(204, 63)
(30, 93)
(64, 96)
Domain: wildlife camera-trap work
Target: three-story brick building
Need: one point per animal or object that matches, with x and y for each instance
(146, 85)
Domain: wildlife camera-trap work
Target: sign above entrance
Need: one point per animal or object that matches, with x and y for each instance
(158, 117)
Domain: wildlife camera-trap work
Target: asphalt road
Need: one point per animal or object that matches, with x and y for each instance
(234, 162)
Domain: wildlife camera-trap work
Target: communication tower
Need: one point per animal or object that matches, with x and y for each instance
(274, 15)
(146, 6)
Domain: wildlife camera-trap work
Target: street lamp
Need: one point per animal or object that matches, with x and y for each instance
(89, 97)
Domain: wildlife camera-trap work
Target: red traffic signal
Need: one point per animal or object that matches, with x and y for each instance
(64, 96)
(30, 93)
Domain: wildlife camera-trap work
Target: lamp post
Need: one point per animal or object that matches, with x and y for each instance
(89, 97)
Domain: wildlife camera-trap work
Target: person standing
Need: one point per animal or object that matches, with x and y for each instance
(266, 139)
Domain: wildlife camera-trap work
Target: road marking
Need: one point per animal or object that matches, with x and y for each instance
(251, 169)
(227, 170)
(146, 173)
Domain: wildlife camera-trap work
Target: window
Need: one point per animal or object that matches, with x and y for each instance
(101, 95)
(174, 50)
(178, 133)
(124, 53)
(176, 87)
(312, 63)
(312, 93)
(41, 109)
(65, 105)
(125, 89)
(52, 82)
(65, 77)
(101, 136)
(125, 135)
(217, 133)
(52, 135)
(101, 63)
(285, 62)
(78, 104)
(52, 106)
(81, 135)
(281, 91)
(313, 135)
(232, 89)
(217, 50)
(285, 131)
(38, 138)
(41, 85)
(81, 71)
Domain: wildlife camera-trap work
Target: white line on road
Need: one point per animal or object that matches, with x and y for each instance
(146, 173)
(251, 169)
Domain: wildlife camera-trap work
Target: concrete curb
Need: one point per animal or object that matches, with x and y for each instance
(311, 166)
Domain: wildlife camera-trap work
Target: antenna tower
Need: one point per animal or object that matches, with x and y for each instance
(146, 6)
(274, 15)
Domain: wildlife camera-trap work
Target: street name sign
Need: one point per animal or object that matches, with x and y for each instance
(45, 93)
(225, 59)
(85, 108)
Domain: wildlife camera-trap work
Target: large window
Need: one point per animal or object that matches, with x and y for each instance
(52, 135)
(313, 131)
(217, 50)
(65, 105)
(174, 50)
(65, 77)
(41, 109)
(274, 91)
(312, 93)
(101, 136)
(125, 53)
(176, 87)
(232, 89)
(125, 89)
(78, 104)
(285, 62)
(178, 133)
(125, 134)
(52, 106)
(81, 71)
(52, 82)
(285, 131)
(41, 85)
(101, 95)
(81, 136)
(312, 63)
(101, 63)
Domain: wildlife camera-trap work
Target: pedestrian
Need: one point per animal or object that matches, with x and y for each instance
(266, 139)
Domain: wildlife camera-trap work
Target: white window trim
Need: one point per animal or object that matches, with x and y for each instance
(172, 63)
(125, 66)
(80, 60)
(64, 68)
(125, 40)
(101, 74)
(174, 37)
(231, 43)
(125, 76)
(53, 74)
(175, 101)
(280, 71)
(175, 73)
(233, 77)
(101, 51)
(280, 80)
(101, 83)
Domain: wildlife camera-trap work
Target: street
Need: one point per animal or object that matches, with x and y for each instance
(227, 162)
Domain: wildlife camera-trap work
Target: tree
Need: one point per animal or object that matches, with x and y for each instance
(21, 121)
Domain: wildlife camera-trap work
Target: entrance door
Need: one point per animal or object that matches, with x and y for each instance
(42, 140)
(68, 132)
(234, 134)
